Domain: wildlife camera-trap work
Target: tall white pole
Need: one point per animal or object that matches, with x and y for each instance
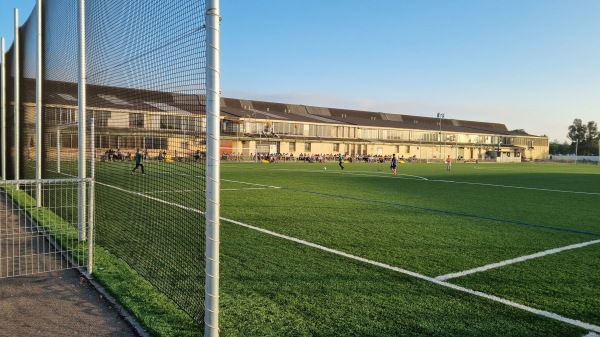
(38, 107)
(81, 134)
(58, 150)
(92, 200)
(3, 107)
(576, 146)
(213, 175)
(17, 147)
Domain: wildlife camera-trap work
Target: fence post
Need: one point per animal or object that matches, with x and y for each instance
(3, 107)
(38, 108)
(17, 145)
(91, 200)
(81, 132)
(213, 87)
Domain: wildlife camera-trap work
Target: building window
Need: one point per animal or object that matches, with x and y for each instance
(307, 147)
(61, 116)
(336, 147)
(170, 122)
(159, 143)
(136, 120)
(292, 147)
(101, 118)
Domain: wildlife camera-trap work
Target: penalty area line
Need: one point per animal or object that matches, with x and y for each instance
(515, 260)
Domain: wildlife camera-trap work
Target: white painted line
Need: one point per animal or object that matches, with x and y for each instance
(359, 173)
(539, 312)
(142, 194)
(515, 260)
(591, 334)
(544, 313)
(252, 184)
(174, 191)
(223, 189)
(510, 186)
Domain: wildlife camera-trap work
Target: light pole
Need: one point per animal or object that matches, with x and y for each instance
(440, 116)
(576, 146)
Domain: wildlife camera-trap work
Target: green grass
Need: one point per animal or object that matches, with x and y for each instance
(425, 220)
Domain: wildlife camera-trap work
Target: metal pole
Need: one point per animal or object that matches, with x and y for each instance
(58, 150)
(213, 174)
(3, 107)
(17, 146)
(440, 116)
(81, 132)
(92, 199)
(576, 146)
(38, 108)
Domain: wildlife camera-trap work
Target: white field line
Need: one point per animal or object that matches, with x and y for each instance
(359, 173)
(511, 186)
(544, 313)
(174, 191)
(591, 334)
(408, 176)
(252, 184)
(222, 189)
(515, 260)
(515, 170)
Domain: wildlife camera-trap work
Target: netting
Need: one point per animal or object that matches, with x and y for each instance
(145, 99)
(39, 239)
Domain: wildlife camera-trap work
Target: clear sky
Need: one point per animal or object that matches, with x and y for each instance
(529, 64)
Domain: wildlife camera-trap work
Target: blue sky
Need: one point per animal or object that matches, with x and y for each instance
(530, 64)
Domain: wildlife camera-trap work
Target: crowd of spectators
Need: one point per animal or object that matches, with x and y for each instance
(311, 158)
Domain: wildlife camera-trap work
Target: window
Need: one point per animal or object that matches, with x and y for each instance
(170, 122)
(59, 116)
(136, 120)
(192, 124)
(101, 117)
(336, 147)
(101, 141)
(67, 140)
(307, 147)
(292, 147)
(155, 143)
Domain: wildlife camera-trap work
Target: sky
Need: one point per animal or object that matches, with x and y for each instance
(528, 64)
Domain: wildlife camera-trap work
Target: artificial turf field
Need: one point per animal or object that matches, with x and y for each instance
(482, 250)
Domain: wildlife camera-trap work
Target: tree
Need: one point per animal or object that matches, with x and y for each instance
(593, 137)
(557, 148)
(584, 136)
(577, 131)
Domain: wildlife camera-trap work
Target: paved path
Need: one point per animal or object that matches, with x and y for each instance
(57, 303)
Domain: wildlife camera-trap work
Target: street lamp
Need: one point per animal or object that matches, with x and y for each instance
(576, 146)
(440, 116)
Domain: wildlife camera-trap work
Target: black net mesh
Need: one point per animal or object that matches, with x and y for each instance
(145, 99)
